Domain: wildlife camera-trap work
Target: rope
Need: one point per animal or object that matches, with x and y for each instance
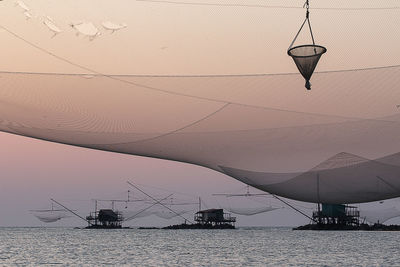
(294, 208)
(192, 76)
(307, 6)
(295, 38)
(267, 6)
(226, 103)
(166, 190)
(73, 212)
(312, 36)
(159, 202)
(143, 210)
(115, 76)
(182, 128)
(389, 184)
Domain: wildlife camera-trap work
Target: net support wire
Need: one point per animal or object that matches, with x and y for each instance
(285, 202)
(71, 211)
(307, 19)
(159, 202)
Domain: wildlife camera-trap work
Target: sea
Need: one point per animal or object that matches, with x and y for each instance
(239, 247)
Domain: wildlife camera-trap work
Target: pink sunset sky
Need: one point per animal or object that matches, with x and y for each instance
(164, 38)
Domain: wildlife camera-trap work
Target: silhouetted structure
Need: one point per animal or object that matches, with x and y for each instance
(215, 217)
(334, 217)
(336, 214)
(208, 219)
(105, 218)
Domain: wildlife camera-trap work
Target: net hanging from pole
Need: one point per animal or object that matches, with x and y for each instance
(247, 203)
(50, 216)
(306, 56)
(248, 211)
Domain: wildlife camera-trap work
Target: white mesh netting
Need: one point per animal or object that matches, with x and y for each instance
(239, 125)
(50, 216)
(338, 143)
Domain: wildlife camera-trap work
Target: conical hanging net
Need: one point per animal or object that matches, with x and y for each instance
(306, 58)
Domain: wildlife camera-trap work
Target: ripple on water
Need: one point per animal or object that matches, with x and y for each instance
(241, 247)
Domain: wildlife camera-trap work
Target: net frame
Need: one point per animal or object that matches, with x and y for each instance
(290, 51)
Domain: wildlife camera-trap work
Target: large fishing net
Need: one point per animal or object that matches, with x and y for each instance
(333, 147)
(50, 216)
(336, 144)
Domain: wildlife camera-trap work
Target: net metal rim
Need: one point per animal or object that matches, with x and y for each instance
(323, 51)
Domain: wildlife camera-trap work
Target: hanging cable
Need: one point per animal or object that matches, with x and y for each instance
(307, 19)
(165, 206)
(294, 208)
(210, 4)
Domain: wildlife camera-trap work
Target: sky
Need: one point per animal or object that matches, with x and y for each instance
(34, 171)
(189, 39)
(169, 39)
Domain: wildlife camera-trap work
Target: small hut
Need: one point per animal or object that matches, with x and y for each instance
(214, 217)
(105, 218)
(331, 214)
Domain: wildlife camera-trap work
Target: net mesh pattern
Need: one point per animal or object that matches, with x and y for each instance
(250, 210)
(306, 58)
(339, 144)
(50, 216)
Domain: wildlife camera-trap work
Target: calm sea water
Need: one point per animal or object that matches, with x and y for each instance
(240, 247)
